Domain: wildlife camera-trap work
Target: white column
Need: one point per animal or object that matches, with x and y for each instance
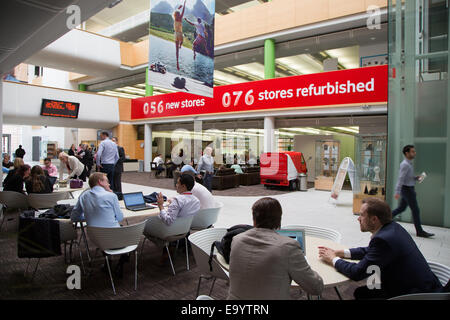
(147, 147)
(269, 131)
(198, 138)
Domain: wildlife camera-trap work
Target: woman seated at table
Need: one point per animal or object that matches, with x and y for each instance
(263, 263)
(15, 182)
(38, 182)
(18, 162)
(76, 169)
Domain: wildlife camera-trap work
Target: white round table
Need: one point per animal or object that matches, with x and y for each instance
(331, 277)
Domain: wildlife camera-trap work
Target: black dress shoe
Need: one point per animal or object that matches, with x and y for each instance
(425, 234)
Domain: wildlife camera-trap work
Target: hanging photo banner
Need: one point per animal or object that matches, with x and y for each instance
(326, 89)
(181, 45)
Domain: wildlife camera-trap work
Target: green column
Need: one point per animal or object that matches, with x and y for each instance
(148, 88)
(269, 59)
(82, 87)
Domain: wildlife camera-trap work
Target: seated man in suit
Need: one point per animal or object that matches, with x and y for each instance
(403, 268)
(263, 263)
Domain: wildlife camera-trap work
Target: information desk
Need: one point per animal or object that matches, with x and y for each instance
(331, 277)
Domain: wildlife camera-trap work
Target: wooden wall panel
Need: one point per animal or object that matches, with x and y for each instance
(279, 15)
(127, 134)
(124, 109)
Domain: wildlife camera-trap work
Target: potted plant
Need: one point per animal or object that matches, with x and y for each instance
(154, 146)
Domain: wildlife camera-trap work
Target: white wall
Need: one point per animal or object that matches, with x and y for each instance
(23, 135)
(22, 106)
(57, 79)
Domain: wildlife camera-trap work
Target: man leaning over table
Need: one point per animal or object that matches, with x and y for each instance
(402, 267)
(185, 204)
(99, 206)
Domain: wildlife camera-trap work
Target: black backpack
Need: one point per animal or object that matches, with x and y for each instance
(179, 83)
(224, 246)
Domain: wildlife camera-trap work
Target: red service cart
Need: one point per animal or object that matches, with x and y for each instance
(282, 169)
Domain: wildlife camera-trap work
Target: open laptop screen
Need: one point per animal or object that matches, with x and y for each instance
(297, 234)
(133, 199)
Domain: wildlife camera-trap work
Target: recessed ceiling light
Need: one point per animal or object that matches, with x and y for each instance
(373, 38)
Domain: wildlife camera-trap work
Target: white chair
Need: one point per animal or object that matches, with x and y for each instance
(13, 202)
(68, 232)
(423, 296)
(203, 297)
(201, 247)
(441, 271)
(110, 239)
(206, 217)
(318, 232)
(156, 230)
(46, 200)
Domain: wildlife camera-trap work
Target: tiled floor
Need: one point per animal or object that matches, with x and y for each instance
(314, 208)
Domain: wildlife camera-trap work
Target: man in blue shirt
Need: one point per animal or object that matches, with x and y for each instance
(405, 190)
(99, 206)
(107, 157)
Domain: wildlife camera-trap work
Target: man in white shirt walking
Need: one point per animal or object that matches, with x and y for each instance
(107, 157)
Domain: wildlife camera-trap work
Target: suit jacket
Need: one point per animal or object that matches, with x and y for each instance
(263, 264)
(403, 268)
(119, 163)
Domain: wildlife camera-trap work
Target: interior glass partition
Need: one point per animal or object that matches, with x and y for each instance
(418, 109)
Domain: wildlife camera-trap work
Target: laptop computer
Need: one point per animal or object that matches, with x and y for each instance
(297, 234)
(134, 201)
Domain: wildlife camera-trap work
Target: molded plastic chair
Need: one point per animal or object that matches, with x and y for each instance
(318, 232)
(156, 230)
(441, 271)
(68, 232)
(46, 200)
(13, 202)
(206, 217)
(110, 239)
(201, 247)
(203, 297)
(423, 296)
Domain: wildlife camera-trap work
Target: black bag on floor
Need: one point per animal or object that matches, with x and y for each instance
(38, 237)
(224, 246)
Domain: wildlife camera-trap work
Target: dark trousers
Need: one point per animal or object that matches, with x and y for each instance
(364, 293)
(408, 198)
(117, 180)
(207, 181)
(83, 175)
(109, 170)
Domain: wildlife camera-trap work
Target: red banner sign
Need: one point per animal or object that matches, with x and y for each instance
(344, 87)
